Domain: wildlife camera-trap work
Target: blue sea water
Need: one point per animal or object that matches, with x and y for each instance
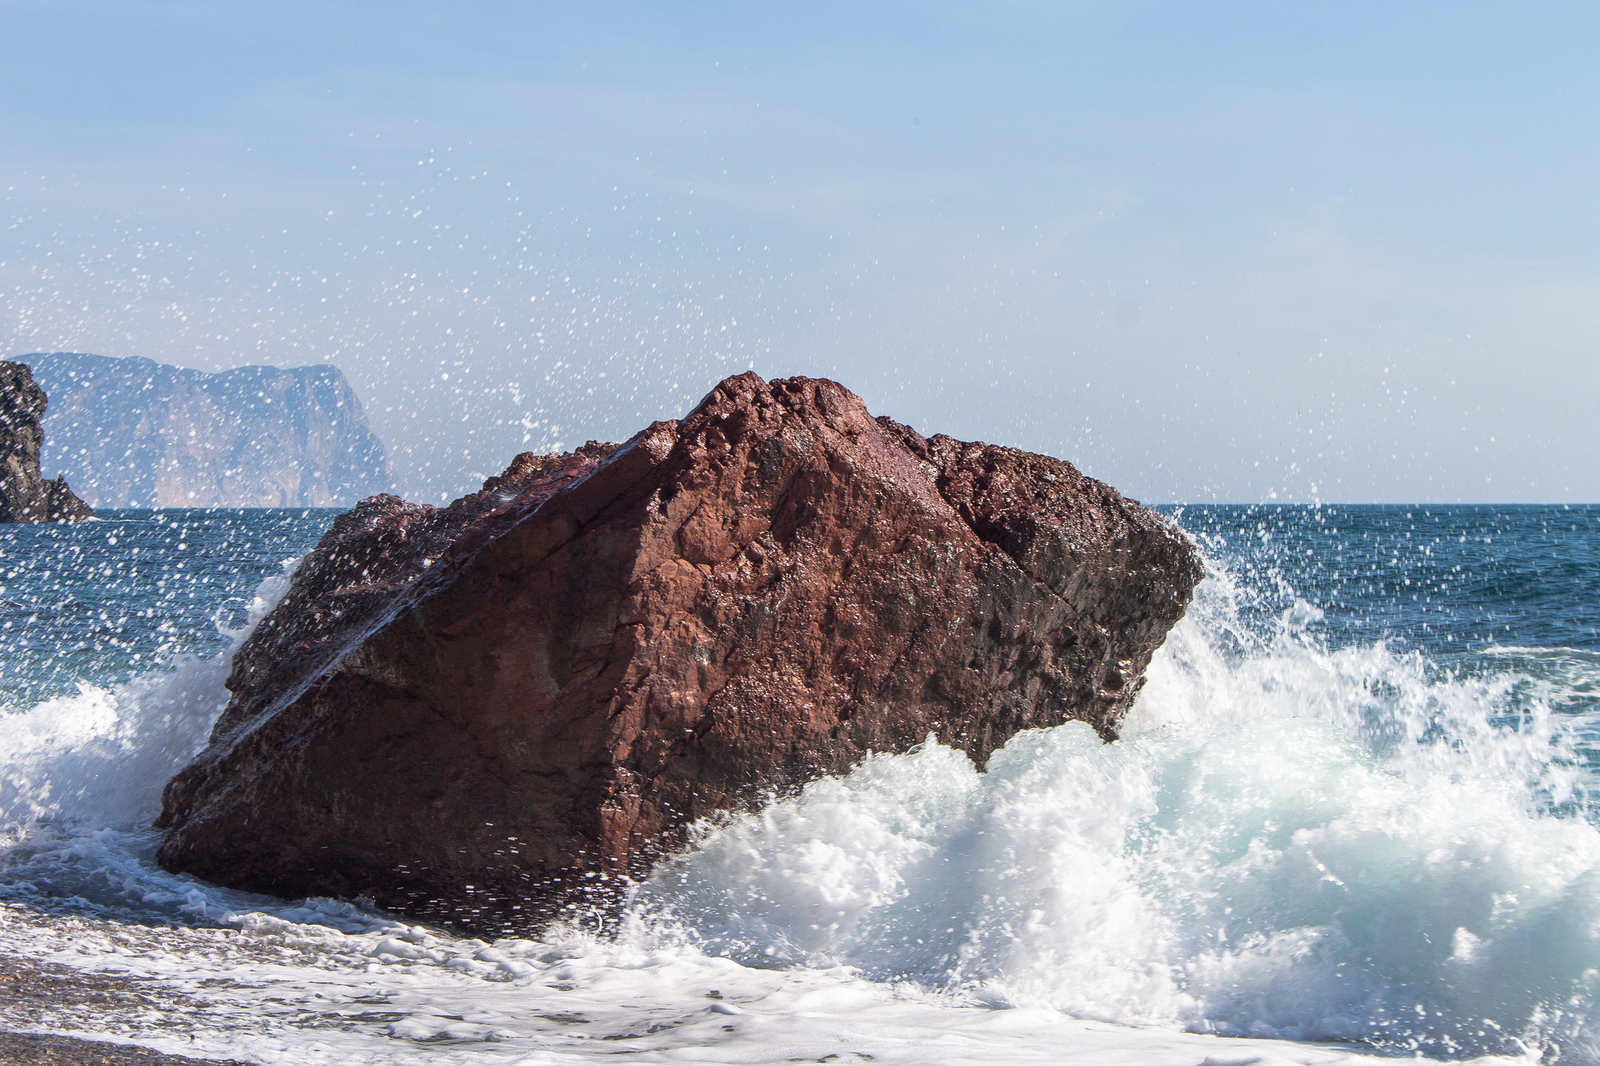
(101, 602)
(1476, 591)
(1355, 809)
(1447, 580)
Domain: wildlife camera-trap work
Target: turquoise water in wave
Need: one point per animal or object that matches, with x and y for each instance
(1476, 591)
(100, 602)
(1447, 580)
(1353, 812)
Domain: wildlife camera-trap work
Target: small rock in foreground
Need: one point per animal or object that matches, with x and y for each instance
(489, 714)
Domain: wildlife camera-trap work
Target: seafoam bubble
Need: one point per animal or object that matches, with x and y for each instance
(1290, 841)
(103, 755)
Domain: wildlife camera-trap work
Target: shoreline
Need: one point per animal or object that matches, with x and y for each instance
(34, 993)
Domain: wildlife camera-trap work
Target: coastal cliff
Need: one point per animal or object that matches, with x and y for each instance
(25, 496)
(485, 713)
(132, 432)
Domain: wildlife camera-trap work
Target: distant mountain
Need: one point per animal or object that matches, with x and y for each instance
(132, 432)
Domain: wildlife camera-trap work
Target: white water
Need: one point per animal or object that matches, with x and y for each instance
(100, 758)
(1289, 843)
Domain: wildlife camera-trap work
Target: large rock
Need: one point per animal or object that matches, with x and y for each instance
(25, 496)
(133, 432)
(483, 713)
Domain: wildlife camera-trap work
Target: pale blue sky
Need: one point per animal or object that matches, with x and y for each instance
(1207, 251)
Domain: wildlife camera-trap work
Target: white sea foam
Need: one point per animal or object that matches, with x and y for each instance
(100, 757)
(1290, 842)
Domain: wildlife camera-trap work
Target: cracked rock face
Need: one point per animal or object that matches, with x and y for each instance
(25, 496)
(486, 713)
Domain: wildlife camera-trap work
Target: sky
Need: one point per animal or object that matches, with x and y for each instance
(1221, 252)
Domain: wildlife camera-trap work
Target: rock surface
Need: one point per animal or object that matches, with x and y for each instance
(136, 433)
(481, 714)
(25, 496)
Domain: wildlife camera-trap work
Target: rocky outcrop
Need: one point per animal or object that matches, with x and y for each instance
(25, 496)
(483, 713)
(136, 433)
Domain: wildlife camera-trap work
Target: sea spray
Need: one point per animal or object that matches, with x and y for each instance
(102, 756)
(1289, 841)
(1359, 838)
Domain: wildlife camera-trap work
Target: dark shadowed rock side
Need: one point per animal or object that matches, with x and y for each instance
(136, 433)
(484, 713)
(25, 496)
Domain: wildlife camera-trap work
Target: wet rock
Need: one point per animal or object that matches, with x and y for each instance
(485, 714)
(368, 560)
(25, 496)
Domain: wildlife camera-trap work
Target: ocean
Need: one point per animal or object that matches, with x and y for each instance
(1355, 814)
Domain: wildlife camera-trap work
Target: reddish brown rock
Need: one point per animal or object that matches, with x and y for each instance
(484, 713)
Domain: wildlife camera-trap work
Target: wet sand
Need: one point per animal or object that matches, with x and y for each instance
(46, 995)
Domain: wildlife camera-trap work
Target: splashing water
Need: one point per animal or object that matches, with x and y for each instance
(1303, 836)
(102, 756)
(1290, 841)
